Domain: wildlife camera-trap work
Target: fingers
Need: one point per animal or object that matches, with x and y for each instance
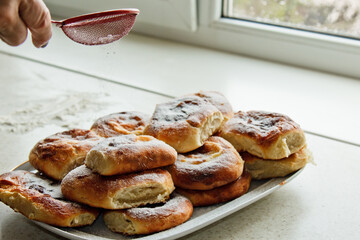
(17, 16)
(36, 17)
(13, 31)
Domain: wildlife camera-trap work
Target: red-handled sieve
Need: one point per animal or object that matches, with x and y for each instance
(99, 28)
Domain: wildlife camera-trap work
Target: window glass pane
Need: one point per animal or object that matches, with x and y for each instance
(337, 17)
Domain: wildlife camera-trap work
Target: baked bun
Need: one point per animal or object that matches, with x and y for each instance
(58, 154)
(220, 194)
(214, 164)
(219, 101)
(121, 123)
(39, 199)
(264, 134)
(147, 220)
(184, 123)
(129, 153)
(117, 192)
(261, 168)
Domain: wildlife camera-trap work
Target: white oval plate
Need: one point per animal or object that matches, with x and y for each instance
(202, 216)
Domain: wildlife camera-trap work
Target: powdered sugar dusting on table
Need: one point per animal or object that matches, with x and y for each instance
(63, 110)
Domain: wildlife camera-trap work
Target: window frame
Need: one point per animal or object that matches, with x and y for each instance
(302, 48)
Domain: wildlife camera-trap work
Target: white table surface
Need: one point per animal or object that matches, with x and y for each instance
(43, 91)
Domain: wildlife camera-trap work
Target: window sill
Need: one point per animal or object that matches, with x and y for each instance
(318, 101)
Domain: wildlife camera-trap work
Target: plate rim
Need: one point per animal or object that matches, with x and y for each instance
(222, 211)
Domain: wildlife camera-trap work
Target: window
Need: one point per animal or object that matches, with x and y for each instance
(335, 17)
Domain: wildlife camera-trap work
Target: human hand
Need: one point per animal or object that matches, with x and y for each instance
(19, 16)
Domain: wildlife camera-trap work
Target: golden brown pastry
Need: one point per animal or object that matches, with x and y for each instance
(130, 122)
(56, 155)
(219, 101)
(147, 220)
(117, 192)
(264, 134)
(184, 123)
(129, 153)
(40, 199)
(220, 194)
(263, 168)
(214, 164)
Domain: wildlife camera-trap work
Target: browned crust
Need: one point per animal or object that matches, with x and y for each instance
(219, 101)
(264, 127)
(220, 194)
(214, 164)
(264, 134)
(57, 154)
(17, 189)
(155, 219)
(191, 109)
(265, 168)
(171, 134)
(84, 186)
(179, 122)
(129, 153)
(129, 122)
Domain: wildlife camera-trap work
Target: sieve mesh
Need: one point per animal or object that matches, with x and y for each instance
(99, 29)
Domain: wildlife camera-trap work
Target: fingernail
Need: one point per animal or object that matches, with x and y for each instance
(43, 46)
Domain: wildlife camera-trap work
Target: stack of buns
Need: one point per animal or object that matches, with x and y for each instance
(211, 174)
(111, 167)
(207, 166)
(272, 144)
(128, 164)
